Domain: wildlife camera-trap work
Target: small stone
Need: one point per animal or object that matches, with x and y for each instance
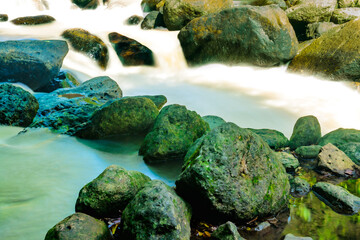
(134, 20)
(226, 231)
(289, 161)
(299, 187)
(308, 152)
(33, 20)
(4, 17)
(293, 237)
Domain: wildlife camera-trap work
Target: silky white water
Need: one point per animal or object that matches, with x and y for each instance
(41, 172)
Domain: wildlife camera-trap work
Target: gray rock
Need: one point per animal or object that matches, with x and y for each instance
(308, 152)
(226, 231)
(293, 237)
(288, 160)
(343, 15)
(306, 132)
(213, 121)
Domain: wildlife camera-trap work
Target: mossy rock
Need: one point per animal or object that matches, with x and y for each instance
(150, 5)
(213, 121)
(340, 137)
(86, 4)
(275, 139)
(226, 231)
(33, 20)
(231, 174)
(89, 44)
(64, 79)
(306, 132)
(156, 213)
(288, 161)
(4, 17)
(315, 30)
(134, 20)
(299, 187)
(281, 3)
(308, 152)
(343, 15)
(352, 150)
(159, 100)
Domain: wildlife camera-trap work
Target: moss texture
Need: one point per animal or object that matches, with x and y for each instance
(306, 132)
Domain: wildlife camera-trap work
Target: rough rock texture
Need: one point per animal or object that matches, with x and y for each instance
(33, 20)
(340, 136)
(273, 138)
(130, 51)
(174, 131)
(134, 20)
(343, 15)
(4, 17)
(156, 213)
(231, 174)
(307, 152)
(315, 30)
(336, 197)
(125, 116)
(65, 79)
(299, 187)
(17, 106)
(281, 3)
(293, 237)
(352, 150)
(226, 231)
(79, 226)
(109, 193)
(213, 121)
(347, 3)
(89, 44)
(152, 20)
(150, 5)
(306, 132)
(288, 160)
(86, 4)
(159, 100)
(261, 36)
(32, 62)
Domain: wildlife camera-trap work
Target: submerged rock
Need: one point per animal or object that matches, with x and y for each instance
(152, 20)
(32, 62)
(79, 226)
(109, 193)
(339, 199)
(86, 4)
(33, 20)
(343, 15)
(273, 138)
(264, 37)
(4, 17)
(226, 231)
(290, 236)
(308, 152)
(89, 44)
(17, 106)
(306, 132)
(288, 160)
(156, 212)
(64, 80)
(134, 20)
(231, 174)
(299, 187)
(213, 121)
(352, 150)
(340, 136)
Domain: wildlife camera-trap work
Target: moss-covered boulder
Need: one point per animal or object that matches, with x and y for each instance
(86, 4)
(17, 106)
(343, 15)
(152, 20)
(109, 193)
(231, 174)
(174, 131)
(306, 132)
(308, 152)
(32, 62)
(159, 100)
(288, 161)
(348, 3)
(89, 44)
(352, 150)
(273, 138)
(130, 51)
(299, 187)
(134, 20)
(213, 121)
(336, 197)
(226, 231)
(156, 213)
(33, 20)
(4, 17)
(340, 136)
(261, 36)
(64, 79)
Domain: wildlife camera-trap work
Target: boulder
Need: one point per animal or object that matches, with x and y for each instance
(308, 152)
(343, 15)
(226, 231)
(89, 44)
(213, 121)
(79, 226)
(290, 236)
(32, 62)
(261, 36)
(174, 131)
(18, 107)
(156, 212)
(152, 20)
(150, 5)
(33, 20)
(288, 160)
(125, 116)
(338, 198)
(109, 193)
(64, 79)
(299, 187)
(4, 17)
(134, 20)
(340, 137)
(281, 3)
(159, 100)
(275, 139)
(315, 30)
(352, 150)
(86, 4)
(347, 3)
(306, 132)
(231, 174)
(130, 51)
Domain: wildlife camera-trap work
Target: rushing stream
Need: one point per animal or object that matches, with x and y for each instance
(41, 172)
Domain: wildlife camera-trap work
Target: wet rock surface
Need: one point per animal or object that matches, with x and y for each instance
(33, 20)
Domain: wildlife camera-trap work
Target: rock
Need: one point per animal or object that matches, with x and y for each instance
(290, 236)
(262, 226)
(213, 121)
(266, 38)
(134, 20)
(125, 116)
(89, 44)
(150, 5)
(352, 150)
(308, 152)
(275, 139)
(306, 132)
(289, 161)
(174, 131)
(178, 13)
(315, 30)
(159, 100)
(79, 226)
(340, 137)
(86, 4)
(334, 160)
(304, 45)
(299, 187)
(343, 15)
(33, 20)
(339, 199)
(156, 212)
(32, 62)
(231, 174)
(152, 20)
(17, 106)
(347, 3)
(309, 11)
(64, 80)
(226, 231)
(4, 17)
(281, 3)
(130, 51)
(109, 193)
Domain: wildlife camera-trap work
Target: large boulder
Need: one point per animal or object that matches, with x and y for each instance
(174, 131)
(17, 106)
(178, 13)
(79, 226)
(306, 132)
(32, 62)
(231, 174)
(109, 193)
(156, 213)
(343, 15)
(89, 44)
(340, 136)
(86, 4)
(261, 36)
(273, 138)
(352, 150)
(33, 20)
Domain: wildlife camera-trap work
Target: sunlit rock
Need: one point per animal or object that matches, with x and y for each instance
(33, 20)
(159, 100)
(343, 15)
(306, 132)
(275, 139)
(151, 5)
(86, 4)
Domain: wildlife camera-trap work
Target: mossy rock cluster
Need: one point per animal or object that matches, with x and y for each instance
(33, 20)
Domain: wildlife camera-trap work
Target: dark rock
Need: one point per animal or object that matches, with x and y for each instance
(134, 20)
(174, 131)
(213, 121)
(109, 193)
(33, 20)
(308, 152)
(86, 4)
(352, 150)
(231, 174)
(275, 139)
(152, 20)
(288, 160)
(17, 106)
(306, 132)
(299, 187)
(4, 17)
(159, 100)
(150, 5)
(130, 51)
(31, 62)
(336, 197)
(290, 236)
(264, 37)
(340, 137)
(64, 80)
(79, 226)
(226, 231)
(343, 15)
(156, 212)
(89, 44)
(315, 30)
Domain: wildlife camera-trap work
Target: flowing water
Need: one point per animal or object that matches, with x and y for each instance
(41, 172)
